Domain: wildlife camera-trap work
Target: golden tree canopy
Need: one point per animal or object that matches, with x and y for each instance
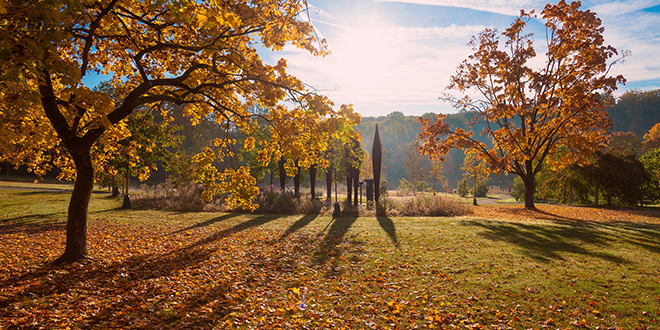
(200, 54)
(531, 114)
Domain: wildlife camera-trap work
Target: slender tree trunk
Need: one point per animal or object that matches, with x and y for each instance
(597, 193)
(528, 179)
(328, 183)
(349, 187)
(296, 182)
(280, 165)
(312, 180)
(76, 226)
(356, 183)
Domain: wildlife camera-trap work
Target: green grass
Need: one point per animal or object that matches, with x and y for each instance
(25, 182)
(205, 270)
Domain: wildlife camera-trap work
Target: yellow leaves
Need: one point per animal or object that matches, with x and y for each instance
(232, 20)
(249, 143)
(201, 20)
(653, 133)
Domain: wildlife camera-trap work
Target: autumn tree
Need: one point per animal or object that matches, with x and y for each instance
(200, 55)
(624, 143)
(531, 113)
(652, 138)
(476, 170)
(437, 174)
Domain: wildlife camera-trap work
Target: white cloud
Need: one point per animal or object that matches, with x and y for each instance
(505, 7)
(435, 32)
(617, 8)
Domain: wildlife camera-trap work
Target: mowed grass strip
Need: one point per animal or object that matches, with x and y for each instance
(501, 268)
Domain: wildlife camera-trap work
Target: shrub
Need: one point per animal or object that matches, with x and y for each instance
(518, 190)
(432, 206)
(273, 200)
(481, 189)
(463, 188)
(165, 196)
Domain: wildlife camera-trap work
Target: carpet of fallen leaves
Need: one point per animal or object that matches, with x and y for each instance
(232, 271)
(568, 213)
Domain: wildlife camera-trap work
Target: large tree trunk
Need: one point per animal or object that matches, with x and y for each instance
(76, 226)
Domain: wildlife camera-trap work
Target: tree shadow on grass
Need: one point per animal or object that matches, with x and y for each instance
(301, 223)
(254, 222)
(644, 235)
(388, 226)
(328, 248)
(130, 282)
(208, 222)
(547, 242)
(33, 223)
(137, 285)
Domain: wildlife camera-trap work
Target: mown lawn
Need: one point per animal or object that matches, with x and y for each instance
(503, 267)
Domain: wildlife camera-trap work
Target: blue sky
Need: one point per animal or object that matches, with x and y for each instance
(398, 55)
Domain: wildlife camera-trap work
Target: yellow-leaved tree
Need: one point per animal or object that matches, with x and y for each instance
(198, 54)
(532, 114)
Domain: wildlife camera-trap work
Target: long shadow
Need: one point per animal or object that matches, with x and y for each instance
(301, 223)
(121, 279)
(388, 226)
(543, 242)
(208, 222)
(32, 218)
(125, 278)
(255, 222)
(32, 224)
(338, 229)
(645, 235)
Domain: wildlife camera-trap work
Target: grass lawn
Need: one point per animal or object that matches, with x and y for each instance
(502, 268)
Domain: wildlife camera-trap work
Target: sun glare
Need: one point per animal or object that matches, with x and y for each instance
(363, 59)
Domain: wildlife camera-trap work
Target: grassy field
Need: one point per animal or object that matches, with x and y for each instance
(502, 268)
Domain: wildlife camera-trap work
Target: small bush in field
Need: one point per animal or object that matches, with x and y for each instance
(432, 206)
(183, 198)
(273, 200)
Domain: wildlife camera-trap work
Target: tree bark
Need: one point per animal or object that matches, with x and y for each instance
(529, 185)
(76, 226)
(282, 170)
(328, 182)
(349, 187)
(356, 183)
(296, 182)
(312, 180)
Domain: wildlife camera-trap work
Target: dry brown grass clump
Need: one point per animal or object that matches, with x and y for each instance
(430, 206)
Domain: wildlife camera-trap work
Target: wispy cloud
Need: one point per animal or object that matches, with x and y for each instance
(505, 7)
(617, 8)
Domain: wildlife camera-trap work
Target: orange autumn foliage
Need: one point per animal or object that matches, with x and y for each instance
(532, 115)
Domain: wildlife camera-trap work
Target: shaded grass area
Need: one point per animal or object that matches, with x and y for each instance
(504, 267)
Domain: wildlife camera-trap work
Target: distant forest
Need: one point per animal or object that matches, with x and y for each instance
(634, 111)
